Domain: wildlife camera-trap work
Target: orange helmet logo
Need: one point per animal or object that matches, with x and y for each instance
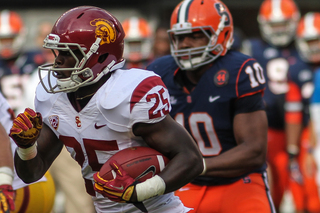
(104, 30)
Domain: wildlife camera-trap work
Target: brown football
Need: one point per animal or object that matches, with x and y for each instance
(139, 162)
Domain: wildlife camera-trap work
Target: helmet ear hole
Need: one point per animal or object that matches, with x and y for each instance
(226, 34)
(103, 57)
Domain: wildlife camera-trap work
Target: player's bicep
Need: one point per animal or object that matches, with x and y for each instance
(251, 128)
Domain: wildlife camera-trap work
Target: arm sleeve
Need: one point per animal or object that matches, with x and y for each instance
(249, 104)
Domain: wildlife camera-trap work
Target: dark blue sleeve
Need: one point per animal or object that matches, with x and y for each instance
(250, 79)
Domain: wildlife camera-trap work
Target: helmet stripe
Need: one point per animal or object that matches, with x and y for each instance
(184, 11)
(5, 22)
(309, 24)
(276, 8)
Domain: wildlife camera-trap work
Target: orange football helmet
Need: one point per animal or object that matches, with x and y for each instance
(12, 34)
(138, 39)
(213, 18)
(308, 37)
(278, 20)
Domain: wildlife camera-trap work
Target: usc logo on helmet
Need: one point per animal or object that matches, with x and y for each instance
(104, 30)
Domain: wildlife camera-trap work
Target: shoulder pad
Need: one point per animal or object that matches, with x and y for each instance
(121, 85)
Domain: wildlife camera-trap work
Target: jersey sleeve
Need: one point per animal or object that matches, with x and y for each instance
(250, 79)
(298, 96)
(293, 104)
(150, 101)
(134, 96)
(6, 114)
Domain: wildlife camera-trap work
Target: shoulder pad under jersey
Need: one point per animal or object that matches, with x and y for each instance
(121, 85)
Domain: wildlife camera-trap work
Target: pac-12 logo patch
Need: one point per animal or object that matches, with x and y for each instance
(221, 78)
(54, 121)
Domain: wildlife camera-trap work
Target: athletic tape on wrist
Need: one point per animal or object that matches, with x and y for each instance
(204, 167)
(6, 175)
(151, 187)
(28, 153)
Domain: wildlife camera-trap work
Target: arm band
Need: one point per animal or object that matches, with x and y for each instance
(6, 176)
(293, 149)
(151, 187)
(28, 153)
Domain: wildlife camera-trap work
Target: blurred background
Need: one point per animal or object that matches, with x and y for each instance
(34, 12)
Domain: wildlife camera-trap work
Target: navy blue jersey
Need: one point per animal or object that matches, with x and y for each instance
(14, 75)
(208, 109)
(281, 66)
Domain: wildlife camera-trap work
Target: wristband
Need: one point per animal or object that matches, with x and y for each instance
(293, 149)
(151, 187)
(204, 167)
(6, 176)
(28, 153)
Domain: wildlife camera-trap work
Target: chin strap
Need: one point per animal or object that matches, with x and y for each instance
(93, 49)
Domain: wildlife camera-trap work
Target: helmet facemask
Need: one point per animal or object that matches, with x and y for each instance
(308, 37)
(198, 56)
(80, 75)
(12, 34)
(278, 33)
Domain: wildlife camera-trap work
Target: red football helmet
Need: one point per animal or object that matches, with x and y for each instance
(138, 40)
(12, 34)
(308, 37)
(212, 17)
(278, 20)
(97, 34)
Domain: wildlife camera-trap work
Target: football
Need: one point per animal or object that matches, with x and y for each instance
(140, 163)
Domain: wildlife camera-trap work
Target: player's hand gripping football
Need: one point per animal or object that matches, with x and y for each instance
(26, 128)
(7, 195)
(120, 189)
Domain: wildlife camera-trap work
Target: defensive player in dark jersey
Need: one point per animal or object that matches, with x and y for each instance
(137, 42)
(16, 64)
(216, 94)
(308, 46)
(279, 58)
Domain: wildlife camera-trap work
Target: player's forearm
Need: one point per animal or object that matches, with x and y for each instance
(293, 134)
(237, 161)
(179, 173)
(6, 158)
(315, 118)
(29, 170)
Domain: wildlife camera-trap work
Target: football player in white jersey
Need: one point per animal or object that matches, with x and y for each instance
(89, 104)
(15, 195)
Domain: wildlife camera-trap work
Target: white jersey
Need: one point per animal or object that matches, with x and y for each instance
(104, 126)
(6, 116)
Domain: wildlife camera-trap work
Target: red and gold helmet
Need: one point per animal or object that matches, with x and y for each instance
(308, 37)
(12, 34)
(278, 20)
(212, 17)
(138, 39)
(97, 34)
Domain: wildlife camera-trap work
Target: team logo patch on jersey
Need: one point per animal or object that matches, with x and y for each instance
(54, 121)
(104, 30)
(78, 121)
(221, 78)
(246, 179)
